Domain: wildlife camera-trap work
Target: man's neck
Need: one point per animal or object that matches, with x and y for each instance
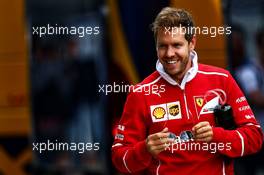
(179, 78)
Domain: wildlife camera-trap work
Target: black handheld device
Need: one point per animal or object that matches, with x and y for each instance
(224, 117)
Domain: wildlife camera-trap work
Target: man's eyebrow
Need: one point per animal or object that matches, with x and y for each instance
(178, 42)
(161, 43)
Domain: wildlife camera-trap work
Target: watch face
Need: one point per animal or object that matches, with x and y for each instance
(185, 136)
(172, 136)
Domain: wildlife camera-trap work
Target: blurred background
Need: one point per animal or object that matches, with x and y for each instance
(49, 84)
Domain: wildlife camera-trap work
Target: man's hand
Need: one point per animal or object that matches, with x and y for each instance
(203, 132)
(158, 142)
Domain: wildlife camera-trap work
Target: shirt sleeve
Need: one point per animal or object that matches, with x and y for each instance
(129, 152)
(248, 137)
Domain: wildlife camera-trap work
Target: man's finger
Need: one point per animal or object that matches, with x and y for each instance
(199, 125)
(203, 135)
(160, 141)
(203, 129)
(157, 136)
(165, 140)
(206, 139)
(163, 134)
(160, 147)
(165, 130)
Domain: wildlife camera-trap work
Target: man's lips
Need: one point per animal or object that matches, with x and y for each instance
(171, 61)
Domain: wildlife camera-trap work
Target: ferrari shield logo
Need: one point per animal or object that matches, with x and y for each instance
(199, 101)
(205, 106)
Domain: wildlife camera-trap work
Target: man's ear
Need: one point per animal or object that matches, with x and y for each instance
(192, 43)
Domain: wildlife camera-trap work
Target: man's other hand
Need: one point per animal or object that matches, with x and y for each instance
(158, 142)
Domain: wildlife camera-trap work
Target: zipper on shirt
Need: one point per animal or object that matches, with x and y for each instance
(186, 105)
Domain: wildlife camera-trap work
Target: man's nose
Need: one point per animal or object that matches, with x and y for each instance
(170, 52)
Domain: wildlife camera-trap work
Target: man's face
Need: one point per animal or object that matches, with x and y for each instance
(174, 51)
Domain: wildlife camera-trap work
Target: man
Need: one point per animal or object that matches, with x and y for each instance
(173, 130)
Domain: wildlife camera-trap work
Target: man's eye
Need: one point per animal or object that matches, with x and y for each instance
(177, 45)
(162, 46)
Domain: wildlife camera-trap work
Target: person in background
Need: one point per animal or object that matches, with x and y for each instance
(251, 78)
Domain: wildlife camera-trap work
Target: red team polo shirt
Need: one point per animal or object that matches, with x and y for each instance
(159, 102)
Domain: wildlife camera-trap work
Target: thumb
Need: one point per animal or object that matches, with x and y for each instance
(165, 130)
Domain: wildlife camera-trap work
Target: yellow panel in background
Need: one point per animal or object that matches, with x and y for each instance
(120, 51)
(14, 95)
(14, 100)
(207, 13)
(12, 40)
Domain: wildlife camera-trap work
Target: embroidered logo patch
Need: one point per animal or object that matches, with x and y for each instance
(119, 136)
(121, 127)
(199, 101)
(174, 110)
(166, 111)
(205, 106)
(159, 112)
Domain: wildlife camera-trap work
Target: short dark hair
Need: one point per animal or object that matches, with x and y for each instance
(173, 17)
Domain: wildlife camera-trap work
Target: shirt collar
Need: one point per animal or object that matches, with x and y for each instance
(190, 74)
